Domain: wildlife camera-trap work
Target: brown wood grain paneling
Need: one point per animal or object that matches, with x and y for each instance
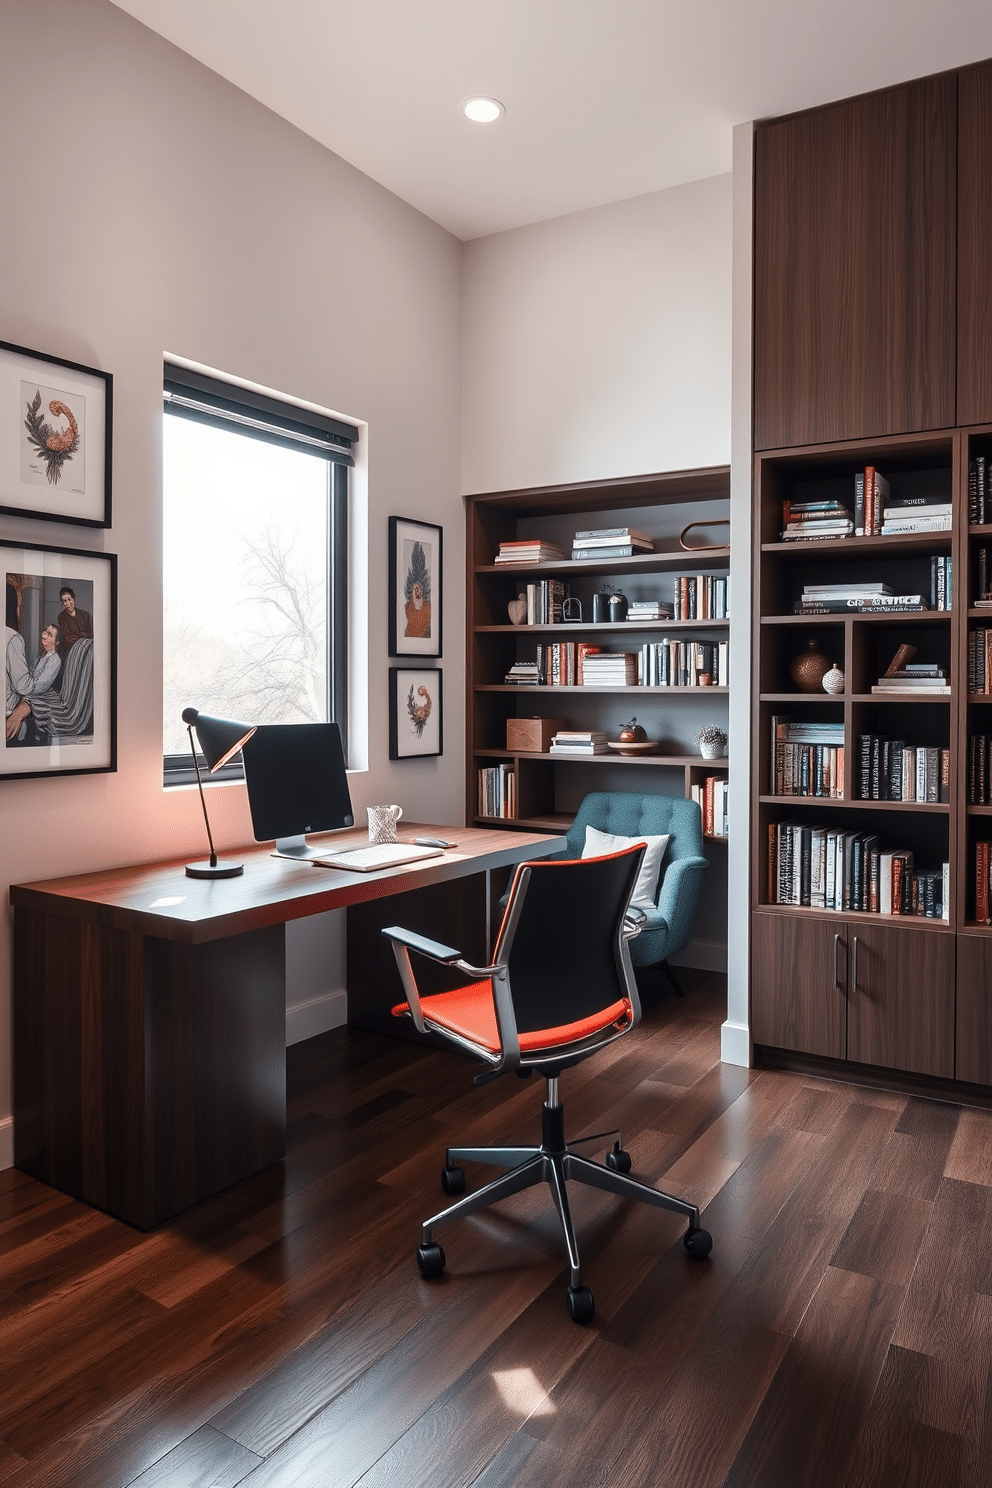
(975, 245)
(795, 1002)
(901, 1001)
(854, 268)
(973, 1056)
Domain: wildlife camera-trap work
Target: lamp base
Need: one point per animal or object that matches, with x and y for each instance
(218, 870)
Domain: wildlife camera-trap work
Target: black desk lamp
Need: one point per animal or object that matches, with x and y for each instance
(220, 740)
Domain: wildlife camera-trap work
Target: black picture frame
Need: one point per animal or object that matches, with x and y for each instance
(410, 570)
(410, 690)
(58, 471)
(66, 713)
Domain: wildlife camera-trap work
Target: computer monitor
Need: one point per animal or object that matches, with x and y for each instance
(296, 783)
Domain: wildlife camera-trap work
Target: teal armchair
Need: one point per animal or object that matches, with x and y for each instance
(670, 923)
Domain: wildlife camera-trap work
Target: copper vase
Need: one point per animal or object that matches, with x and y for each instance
(809, 668)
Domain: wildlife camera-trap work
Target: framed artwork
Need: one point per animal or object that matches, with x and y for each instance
(55, 438)
(60, 650)
(414, 588)
(415, 712)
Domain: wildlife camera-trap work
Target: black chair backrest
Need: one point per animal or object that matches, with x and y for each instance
(564, 955)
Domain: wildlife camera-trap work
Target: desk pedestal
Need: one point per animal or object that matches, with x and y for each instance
(148, 1073)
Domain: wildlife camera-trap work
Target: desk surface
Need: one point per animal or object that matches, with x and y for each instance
(158, 899)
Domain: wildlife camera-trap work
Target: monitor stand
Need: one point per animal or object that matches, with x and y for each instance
(298, 848)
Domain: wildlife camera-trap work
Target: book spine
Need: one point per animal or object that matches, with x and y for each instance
(859, 505)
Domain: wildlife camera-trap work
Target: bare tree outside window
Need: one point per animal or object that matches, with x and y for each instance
(245, 570)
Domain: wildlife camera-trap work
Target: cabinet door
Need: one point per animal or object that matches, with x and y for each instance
(975, 245)
(901, 999)
(798, 983)
(974, 1021)
(854, 268)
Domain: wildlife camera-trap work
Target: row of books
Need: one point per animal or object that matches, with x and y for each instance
(807, 758)
(983, 598)
(610, 542)
(498, 792)
(979, 495)
(876, 513)
(684, 663)
(579, 742)
(824, 868)
(701, 597)
(983, 894)
(979, 770)
(544, 601)
(892, 770)
(711, 798)
(866, 596)
(980, 661)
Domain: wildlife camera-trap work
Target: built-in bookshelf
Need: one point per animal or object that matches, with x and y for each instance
(872, 911)
(675, 638)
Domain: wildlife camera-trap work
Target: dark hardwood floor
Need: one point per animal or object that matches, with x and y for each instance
(279, 1334)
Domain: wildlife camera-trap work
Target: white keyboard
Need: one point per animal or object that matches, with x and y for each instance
(385, 855)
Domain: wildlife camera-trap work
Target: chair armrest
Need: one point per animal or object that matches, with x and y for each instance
(432, 948)
(676, 886)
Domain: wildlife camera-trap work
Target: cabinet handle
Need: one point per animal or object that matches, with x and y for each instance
(854, 965)
(836, 944)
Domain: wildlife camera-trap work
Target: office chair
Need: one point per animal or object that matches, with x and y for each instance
(560, 988)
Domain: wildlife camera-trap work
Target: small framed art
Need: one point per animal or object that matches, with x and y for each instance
(414, 588)
(60, 647)
(55, 438)
(415, 712)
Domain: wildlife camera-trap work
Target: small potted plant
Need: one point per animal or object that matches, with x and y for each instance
(712, 741)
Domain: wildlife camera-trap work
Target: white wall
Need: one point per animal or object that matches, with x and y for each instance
(149, 206)
(598, 344)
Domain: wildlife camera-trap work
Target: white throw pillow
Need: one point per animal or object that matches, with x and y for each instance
(598, 844)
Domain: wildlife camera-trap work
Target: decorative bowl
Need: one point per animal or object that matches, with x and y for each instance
(631, 746)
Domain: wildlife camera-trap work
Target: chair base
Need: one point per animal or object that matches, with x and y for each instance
(555, 1162)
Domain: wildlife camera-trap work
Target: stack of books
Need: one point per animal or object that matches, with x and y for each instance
(701, 597)
(610, 542)
(579, 742)
(609, 669)
(524, 673)
(862, 597)
(529, 550)
(916, 514)
(806, 520)
(924, 677)
(827, 868)
(807, 758)
(892, 770)
(650, 609)
(979, 502)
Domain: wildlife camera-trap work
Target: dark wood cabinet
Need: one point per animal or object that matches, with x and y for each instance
(974, 1009)
(854, 268)
(975, 245)
(799, 984)
(900, 1006)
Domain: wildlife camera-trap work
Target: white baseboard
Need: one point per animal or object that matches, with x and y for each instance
(318, 1015)
(706, 955)
(735, 1044)
(7, 1142)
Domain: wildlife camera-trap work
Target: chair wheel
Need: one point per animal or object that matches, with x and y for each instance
(453, 1181)
(618, 1161)
(581, 1305)
(430, 1259)
(698, 1243)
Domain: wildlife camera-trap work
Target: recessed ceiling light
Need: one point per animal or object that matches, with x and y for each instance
(482, 110)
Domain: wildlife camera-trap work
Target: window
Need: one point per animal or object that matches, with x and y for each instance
(255, 501)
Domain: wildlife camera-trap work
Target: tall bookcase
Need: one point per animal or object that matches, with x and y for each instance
(549, 788)
(895, 992)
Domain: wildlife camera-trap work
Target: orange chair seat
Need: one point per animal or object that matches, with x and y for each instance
(471, 1013)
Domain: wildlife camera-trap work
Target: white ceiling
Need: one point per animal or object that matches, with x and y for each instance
(605, 99)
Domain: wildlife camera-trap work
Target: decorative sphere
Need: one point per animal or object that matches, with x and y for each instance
(833, 680)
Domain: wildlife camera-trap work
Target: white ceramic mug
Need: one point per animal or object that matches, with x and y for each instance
(382, 822)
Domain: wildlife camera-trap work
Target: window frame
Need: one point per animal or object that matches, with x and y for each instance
(224, 405)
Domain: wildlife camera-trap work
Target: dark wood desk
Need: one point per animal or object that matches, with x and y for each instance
(150, 1009)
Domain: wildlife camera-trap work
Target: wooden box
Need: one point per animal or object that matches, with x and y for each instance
(532, 735)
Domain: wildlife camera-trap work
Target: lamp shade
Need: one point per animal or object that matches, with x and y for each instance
(219, 738)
